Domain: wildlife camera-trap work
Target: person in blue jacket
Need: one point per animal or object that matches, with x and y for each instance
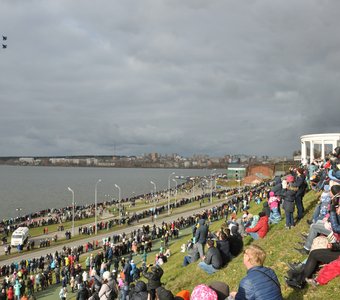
(261, 282)
(201, 235)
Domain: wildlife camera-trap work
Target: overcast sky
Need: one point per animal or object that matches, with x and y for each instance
(176, 76)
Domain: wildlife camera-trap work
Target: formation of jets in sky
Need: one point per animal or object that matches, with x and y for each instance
(4, 38)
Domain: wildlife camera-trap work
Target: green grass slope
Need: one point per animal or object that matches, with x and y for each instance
(278, 243)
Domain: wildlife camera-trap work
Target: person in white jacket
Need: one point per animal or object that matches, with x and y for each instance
(109, 289)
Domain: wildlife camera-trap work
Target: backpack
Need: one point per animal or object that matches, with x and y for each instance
(113, 293)
(295, 279)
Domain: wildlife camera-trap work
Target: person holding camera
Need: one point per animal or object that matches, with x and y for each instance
(154, 279)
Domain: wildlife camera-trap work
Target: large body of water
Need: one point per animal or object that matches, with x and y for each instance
(31, 189)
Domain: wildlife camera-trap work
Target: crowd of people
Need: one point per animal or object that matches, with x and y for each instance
(111, 272)
(321, 244)
(63, 267)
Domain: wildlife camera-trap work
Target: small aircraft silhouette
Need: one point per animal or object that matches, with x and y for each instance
(4, 38)
(4, 46)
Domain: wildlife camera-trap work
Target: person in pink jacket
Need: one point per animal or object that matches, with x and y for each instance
(261, 228)
(273, 202)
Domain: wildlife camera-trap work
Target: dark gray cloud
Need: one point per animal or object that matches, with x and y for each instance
(213, 77)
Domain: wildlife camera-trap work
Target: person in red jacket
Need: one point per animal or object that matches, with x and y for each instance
(261, 228)
(10, 293)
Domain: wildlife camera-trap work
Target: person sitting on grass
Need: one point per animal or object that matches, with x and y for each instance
(302, 273)
(235, 241)
(321, 209)
(321, 226)
(261, 228)
(222, 244)
(193, 254)
(261, 282)
(213, 260)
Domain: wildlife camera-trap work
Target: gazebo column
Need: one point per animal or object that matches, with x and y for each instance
(303, 153)
(311, 150)
(323, 150)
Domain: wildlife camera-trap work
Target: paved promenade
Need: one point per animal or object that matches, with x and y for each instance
(102, 234)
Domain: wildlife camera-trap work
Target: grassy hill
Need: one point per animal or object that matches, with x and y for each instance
(279, 244)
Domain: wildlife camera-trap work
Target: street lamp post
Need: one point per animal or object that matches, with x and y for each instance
(119, 199)
(193, 185)
(211, 185)
(175, 181)
(154, 196)
(173, 173)
(19, 209)
(95, 206)
(132, 199)
(215, 182)
(72, 210)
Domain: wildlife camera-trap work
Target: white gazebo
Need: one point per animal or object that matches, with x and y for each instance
(327, 142)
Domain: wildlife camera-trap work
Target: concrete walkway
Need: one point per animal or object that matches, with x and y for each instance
(103, 234)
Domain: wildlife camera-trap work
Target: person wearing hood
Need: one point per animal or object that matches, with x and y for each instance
(201, 236)
(109, 288)
(277, 188)
(154, 279)
(140, 291)
(261, 228)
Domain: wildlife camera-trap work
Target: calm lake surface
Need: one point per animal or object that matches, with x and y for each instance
(32, 189)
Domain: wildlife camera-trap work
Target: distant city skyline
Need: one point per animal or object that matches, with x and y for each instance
(150, 160)
(207, 77)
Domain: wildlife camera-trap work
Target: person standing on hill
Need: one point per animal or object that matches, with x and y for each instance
(300, 183)
(201, 236)
(288, 195)
(261, 282)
